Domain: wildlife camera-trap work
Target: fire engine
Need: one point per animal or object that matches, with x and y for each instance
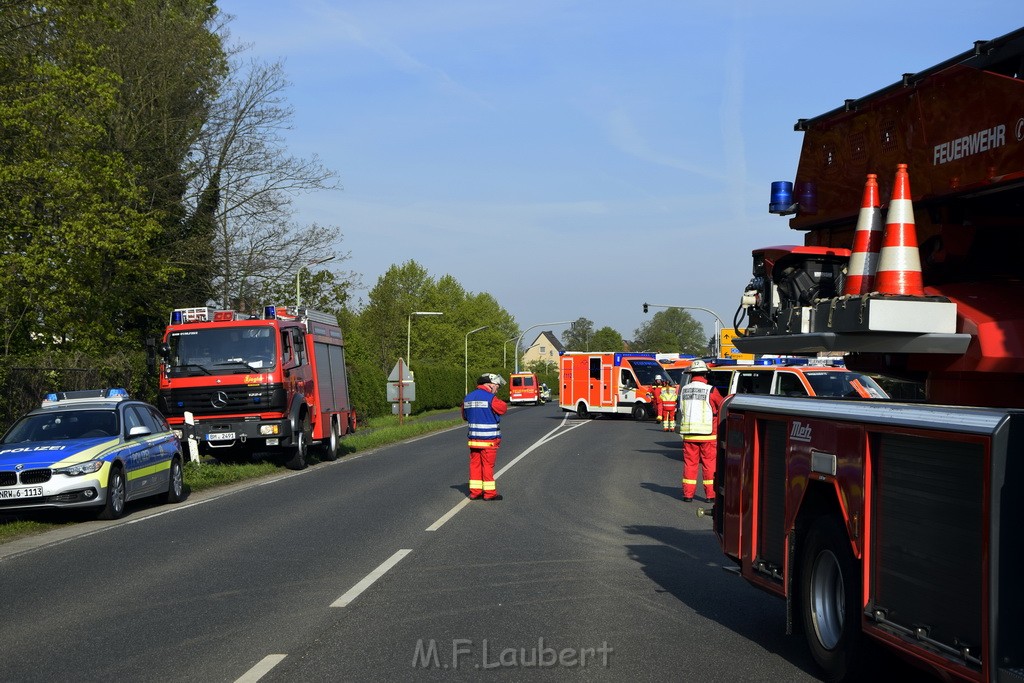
(895, 522)
(238, 384)
(614, 383)
(523, 388)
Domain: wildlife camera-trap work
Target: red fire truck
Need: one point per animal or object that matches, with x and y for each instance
(241, 384)
(875, 519)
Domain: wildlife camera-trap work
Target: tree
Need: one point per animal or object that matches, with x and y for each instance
(241, 166)
(578, 336)
(607, 339)
(670, 331)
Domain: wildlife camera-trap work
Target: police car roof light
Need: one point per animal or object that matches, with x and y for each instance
(117, 393)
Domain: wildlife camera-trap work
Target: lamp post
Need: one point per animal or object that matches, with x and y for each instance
(467, 354)
(719, 325)
(298, 299)
(408, 334)
(520, 339)
(504, 352)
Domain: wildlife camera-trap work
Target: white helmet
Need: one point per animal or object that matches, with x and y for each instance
(698, 366)
(490, 378)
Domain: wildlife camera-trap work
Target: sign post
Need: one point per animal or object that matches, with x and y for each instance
(401, 390)
(727, 347)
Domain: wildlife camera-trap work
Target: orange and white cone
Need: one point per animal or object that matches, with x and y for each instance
(899, 264)
(867, 241)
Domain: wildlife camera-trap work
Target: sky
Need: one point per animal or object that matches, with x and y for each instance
(577, 158)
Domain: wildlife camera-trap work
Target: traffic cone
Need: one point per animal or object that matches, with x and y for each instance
(867, 241)
(899, 264)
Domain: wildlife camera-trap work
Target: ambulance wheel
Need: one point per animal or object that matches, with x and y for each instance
(829, 605)
(639, 412)
(116, 494)
(581, 411)
(300, 451)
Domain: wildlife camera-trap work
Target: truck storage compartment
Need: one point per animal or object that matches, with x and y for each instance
(928, 540)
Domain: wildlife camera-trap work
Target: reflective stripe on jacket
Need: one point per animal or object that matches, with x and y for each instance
(697, 416)
(482, 410)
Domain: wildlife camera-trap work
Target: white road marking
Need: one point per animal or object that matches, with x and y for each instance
(550, 436)
(369, 579)
(261, 669)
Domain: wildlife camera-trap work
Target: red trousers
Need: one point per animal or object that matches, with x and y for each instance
(668, 416)
(702, 452)
(481, 472)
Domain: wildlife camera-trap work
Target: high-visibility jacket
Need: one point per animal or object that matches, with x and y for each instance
(699, 403)
(668, 395)
(483, 411)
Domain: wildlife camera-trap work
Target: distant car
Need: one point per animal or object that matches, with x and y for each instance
(545, 393)
(90, 449)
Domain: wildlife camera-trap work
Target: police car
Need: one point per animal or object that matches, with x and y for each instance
(89, 449)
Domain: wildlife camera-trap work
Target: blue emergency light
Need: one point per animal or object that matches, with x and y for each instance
(117, 393)
(176, 317)
(782, 198)
(269, 312)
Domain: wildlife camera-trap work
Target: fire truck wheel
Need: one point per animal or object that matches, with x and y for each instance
(829, 598)
(329, 446)
(300, 450)
(639, 412)
(581, 411)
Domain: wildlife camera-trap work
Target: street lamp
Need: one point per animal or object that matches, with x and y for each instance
(520, 340)
(719, 325)
(467, 354)
(408, 333)
(504, 352)
(298, 299)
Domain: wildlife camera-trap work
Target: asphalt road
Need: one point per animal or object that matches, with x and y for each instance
(377, 568)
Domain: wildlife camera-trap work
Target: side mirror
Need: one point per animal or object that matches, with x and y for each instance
(140, 430)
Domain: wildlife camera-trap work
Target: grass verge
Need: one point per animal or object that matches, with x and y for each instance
(377, 432)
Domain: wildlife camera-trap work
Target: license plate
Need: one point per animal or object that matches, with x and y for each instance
(221, 436)
(30, 492)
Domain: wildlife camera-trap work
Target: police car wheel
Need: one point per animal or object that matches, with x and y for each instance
(176, 486)
(116, 495)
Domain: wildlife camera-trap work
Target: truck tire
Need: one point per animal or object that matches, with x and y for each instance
(581, 411)
(829, 599)
(328, 450)
(300, 451)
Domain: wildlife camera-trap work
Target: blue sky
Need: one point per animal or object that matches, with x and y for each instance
(579, 157)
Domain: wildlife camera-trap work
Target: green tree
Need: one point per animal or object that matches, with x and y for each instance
(670, 331)
(578, 336)
(607, 339)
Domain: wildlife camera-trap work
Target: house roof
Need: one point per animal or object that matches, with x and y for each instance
(549, 337)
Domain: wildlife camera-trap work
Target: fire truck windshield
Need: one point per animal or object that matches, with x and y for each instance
(221, 350)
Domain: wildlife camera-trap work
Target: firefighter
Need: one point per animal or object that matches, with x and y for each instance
(656, 397)
(668, 406)
(483, 411)
(699, 403)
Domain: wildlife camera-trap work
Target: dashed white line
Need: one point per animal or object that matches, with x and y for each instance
(261, 669)
(368, 580)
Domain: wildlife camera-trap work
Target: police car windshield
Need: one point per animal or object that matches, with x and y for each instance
(835, 384)
(221, 350)
(62, 425)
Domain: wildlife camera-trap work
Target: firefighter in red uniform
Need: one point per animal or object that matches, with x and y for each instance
(699, 403)
(668, 406)
(483, 411)
(656, 398)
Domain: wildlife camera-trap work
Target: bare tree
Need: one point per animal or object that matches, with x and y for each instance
(246, 181)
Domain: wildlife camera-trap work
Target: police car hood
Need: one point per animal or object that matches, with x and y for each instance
(58, 453)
